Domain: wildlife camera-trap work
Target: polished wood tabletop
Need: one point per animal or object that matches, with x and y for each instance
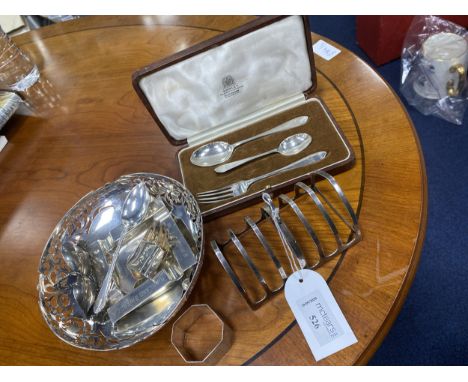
(89, 127)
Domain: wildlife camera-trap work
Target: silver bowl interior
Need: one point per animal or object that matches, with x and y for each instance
(76, 257)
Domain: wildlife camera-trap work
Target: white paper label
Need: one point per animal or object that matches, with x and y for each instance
(320, 318)
(3, 142)
(325, 50)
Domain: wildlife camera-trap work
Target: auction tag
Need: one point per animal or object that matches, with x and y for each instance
(320, 318)
(325, 50)
(3, 142)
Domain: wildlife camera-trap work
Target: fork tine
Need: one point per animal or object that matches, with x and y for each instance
(215, 199)
(212, 201)
(214, 192)
(217, 194)
(223, 195)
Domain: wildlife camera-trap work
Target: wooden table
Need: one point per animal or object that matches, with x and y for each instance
(96, 129)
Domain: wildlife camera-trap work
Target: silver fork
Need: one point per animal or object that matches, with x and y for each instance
(241, 187)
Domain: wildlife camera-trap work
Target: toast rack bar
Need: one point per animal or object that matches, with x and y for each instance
(291, 241)
(267, 248)
(300, 189)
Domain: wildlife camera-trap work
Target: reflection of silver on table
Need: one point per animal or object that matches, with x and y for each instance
(9, 102)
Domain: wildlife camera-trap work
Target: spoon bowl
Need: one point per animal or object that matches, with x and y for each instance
(135, 205)
(84, 293)
(212, 153)
(294, 144)
(291, 145)
(76, 258)
(79, 289)
(105, 221)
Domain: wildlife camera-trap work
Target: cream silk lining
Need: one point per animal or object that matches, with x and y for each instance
(229, 82)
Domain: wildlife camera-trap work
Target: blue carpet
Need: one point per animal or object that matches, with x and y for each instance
(431, 328)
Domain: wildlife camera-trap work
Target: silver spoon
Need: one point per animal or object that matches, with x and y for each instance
(80, 290)
(218, 152)
(134, 208)
(292, 145)
(84, 293)
(104, 222)
(76, 258)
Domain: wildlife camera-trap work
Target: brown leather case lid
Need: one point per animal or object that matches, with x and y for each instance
(204, 46)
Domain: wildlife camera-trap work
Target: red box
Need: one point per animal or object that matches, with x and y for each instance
(381, 37)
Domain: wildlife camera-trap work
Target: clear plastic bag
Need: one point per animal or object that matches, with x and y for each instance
(434, 65)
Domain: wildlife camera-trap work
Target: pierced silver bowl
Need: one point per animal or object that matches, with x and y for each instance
(77, 254)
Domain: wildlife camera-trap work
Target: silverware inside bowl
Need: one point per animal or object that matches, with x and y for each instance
(157, 310)
(76, 258)
(75, 290)
(79, 251)
(134, 209)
